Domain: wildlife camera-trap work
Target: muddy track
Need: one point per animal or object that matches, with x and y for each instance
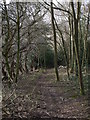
(43, 97)
(54, 101)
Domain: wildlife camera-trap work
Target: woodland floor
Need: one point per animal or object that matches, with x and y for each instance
(39, 95)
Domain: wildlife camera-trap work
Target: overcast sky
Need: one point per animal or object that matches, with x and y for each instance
(8, 1)
(32, 0)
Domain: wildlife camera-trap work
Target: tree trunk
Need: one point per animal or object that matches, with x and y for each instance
(70, 43)
(66, 57)
(6, 40)
(18, 42)
(76, 45)
(44, 58)
(26, 68)
(55, 42)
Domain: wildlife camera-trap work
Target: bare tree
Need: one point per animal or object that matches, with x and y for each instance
(55, 41)
(76, 21)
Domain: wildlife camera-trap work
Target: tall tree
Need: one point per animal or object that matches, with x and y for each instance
(18, 41)
(76, 17)
(7, 38)
(63, 42)
(55, 41)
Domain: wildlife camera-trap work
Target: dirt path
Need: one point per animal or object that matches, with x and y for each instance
(43, 97)
(57, 99)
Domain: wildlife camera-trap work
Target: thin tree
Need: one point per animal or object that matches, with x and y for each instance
(7, 39)
(76, 21)
(63, 42)
(55, 42)
(18, 41)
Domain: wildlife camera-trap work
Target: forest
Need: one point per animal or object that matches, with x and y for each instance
(45, 59)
